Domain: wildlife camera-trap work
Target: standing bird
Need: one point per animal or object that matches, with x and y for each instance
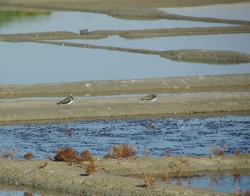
(67, 100)
(150, 97)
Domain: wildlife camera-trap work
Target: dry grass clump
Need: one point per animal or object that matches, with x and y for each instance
(236, 174)
(71, 156)
(90, 168)
(43, 165)
(28, 156)
(66, 155)
(86, 155)
(217, 151)
(237, 152)
(27, 193)
(149, 181)
(123, 151)
(166, 177)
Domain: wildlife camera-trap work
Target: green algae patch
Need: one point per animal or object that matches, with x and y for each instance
(9, 16)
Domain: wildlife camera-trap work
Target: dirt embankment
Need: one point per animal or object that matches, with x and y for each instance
(137, 9)
(191, 55)
(187, 55)
(28, 110)
(128, 34)
(113, 174)
(191, 84)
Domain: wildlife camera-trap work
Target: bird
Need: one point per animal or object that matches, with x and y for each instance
(150, 97)
(67, 100)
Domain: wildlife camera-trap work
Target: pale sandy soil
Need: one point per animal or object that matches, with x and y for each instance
(127, 106)
(182, 95)
(128, 34)
(219, 83)
(228, 94)
(112, 175)
(136, 9)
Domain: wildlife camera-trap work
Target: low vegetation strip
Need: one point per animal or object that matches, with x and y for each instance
(137, 13)
(191, 84)
(110, 174)
(14, 111)
(188, 55)
(122, 8)
(128, 34)
(207, 56)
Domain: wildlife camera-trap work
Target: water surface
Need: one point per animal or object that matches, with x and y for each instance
(74, 21)
(233, 42)
(218, 183)
(41, 63)
(182, 136)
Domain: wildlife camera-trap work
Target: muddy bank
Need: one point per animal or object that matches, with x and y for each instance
(112, 174)
(191, 84)
(207, 56)
(122, 8)
(128, 34)
(31, 110)
(188, 55)
(146, 14)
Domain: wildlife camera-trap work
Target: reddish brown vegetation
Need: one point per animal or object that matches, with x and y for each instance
(236, 174)
(66, 155)
(27, 193)
(123, 151)
(149, 181)
(166, 177)
(86, 155)
(70, 156)
(28, 156)
(43, 165)
(90, 168)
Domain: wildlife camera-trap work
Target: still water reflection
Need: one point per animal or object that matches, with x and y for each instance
(219, 183)
(40, 63)
(214, 183)
(73, 21)
(182, 136)
(234, 42)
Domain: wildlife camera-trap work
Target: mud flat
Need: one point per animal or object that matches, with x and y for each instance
(187, 55)
(31, 110)
(122, 8)
(191, 84)
(112, 174)
(128, 34)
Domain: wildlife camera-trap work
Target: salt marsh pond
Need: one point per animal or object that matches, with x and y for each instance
(185, 136)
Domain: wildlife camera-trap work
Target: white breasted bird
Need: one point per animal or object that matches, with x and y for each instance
(150, 97)
(67, 100)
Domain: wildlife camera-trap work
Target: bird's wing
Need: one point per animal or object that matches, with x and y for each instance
(64, 101)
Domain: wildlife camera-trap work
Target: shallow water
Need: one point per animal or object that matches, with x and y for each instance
(182, 136)
(216, 183)
(234, 42)
(17, 193)
(238, 11)
(74, 21)
(41, 63)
